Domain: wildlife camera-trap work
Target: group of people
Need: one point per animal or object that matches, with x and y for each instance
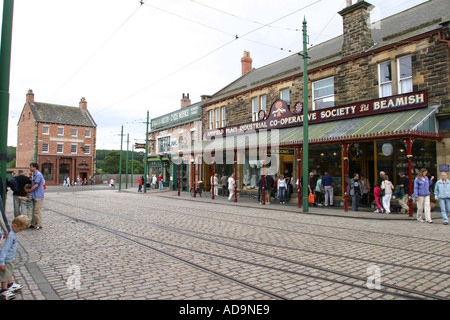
(79, 182)
(151, 182)
(28, 197)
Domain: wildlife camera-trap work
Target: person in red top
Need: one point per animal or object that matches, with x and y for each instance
(376, 194)
(140, 185)
(160, 180)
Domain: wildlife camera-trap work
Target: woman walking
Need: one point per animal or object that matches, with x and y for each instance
(442, 193)
(387, 186)
(422, 194)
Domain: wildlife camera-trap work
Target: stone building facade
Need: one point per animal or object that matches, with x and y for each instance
(61, 139)
(406, 53)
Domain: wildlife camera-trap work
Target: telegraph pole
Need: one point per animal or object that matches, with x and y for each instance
(126, 162)
(120, 162)
(146, 155)
(5, 68)
(305, 119)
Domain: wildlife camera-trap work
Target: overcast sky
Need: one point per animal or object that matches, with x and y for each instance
(126, 58)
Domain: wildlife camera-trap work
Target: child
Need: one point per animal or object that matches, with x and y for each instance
(376, 194)
(7, 256)
(28, 201)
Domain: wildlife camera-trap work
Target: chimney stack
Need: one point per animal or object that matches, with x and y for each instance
(246, 62)
(83, 103)
(30, 96)
(357, 31)
(185, 101)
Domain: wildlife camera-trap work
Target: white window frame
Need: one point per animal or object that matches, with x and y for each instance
(255, 109)
(46, 130)
(62, 131)
(224, 116)
(45, 147)
(217, 117)
(72, 146)
(211, 119)
(87, 149)
(75, 130)
(263, 103)
(324, 97)
(404, 79)
(284, 93)
(87, 133)
(383, 84)
(58, 145)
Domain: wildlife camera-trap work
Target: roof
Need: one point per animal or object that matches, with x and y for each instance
(415, 21)
(59, 114)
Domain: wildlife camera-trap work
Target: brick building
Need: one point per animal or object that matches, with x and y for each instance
(173, 135)
(377, 68)
(61, 139)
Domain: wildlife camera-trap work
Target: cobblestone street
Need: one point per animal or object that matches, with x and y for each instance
(98, 243)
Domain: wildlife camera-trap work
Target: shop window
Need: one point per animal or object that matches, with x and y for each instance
(326, 158)
(323, 94)
(385, 79)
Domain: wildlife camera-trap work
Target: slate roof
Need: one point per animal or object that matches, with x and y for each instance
(58, 114)
(417, 20)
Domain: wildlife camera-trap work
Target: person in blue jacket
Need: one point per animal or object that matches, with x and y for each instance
(442, 193)
(422, 194)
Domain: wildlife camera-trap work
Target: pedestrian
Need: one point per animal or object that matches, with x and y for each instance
(224, 181)
(288, 178)
(377, 196)
(355, 189)
(442, 193)
(17, 185)
(3, 220)
(154, 180)
(111, 183)
(318, 191)
(260, 190)
(231, 184)
(37, 188)
(387, 186)
(7, 257)
(281, 188)
(327, 187)
(140, 185)
(68, 181)
(422, 194)
(311, 186)
(268, 186)
(64, 182)
(216, 185)
(403, 192)
(366, 190)
(28, 200)
(160, 182)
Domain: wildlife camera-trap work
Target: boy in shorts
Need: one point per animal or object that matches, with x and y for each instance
(7, 256)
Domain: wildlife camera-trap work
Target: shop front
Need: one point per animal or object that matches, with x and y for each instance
(391, 134)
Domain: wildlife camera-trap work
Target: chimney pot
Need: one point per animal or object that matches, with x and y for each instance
(30, 96)
(246, 62)
(185, 101)
(83, 103)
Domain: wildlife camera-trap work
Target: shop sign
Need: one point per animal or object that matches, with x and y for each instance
(178, 116)
(280, 116)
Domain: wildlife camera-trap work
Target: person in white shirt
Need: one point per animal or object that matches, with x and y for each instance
(281, 188)
(231, 184)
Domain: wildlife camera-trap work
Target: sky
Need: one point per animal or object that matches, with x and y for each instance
(130, 57)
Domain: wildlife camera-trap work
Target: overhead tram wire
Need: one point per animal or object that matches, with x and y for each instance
(96, 51)
(235, 37)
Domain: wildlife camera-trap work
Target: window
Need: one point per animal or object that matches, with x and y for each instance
(60, 131)
(405, 83)
(59, 147)
(192, 138)
(87, 133)
(224, 122)
(73, 148)
(46, 130)
(285, 95)
(164, 144)
(217, 118)
(45, 147)
(74, 132)
(254, 109)
(263, 103)
(323, 94)
(87, 149)
(385, 79)
(211, 119)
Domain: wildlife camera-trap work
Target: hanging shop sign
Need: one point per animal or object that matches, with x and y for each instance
(280, 116)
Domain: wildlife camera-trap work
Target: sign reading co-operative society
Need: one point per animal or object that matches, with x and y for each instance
(280, 116)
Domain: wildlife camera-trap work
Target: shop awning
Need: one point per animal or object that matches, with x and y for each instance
(417, 123)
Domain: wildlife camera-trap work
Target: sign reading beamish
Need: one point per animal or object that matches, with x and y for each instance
(280, 116)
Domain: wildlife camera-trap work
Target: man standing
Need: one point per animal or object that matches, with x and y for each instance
(355, 189)
(327, 187)
(37, 191)
(288, 179)
(403, 199)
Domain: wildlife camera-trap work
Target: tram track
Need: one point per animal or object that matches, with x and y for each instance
(393, 289)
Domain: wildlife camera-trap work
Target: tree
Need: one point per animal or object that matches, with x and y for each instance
(112, 160)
